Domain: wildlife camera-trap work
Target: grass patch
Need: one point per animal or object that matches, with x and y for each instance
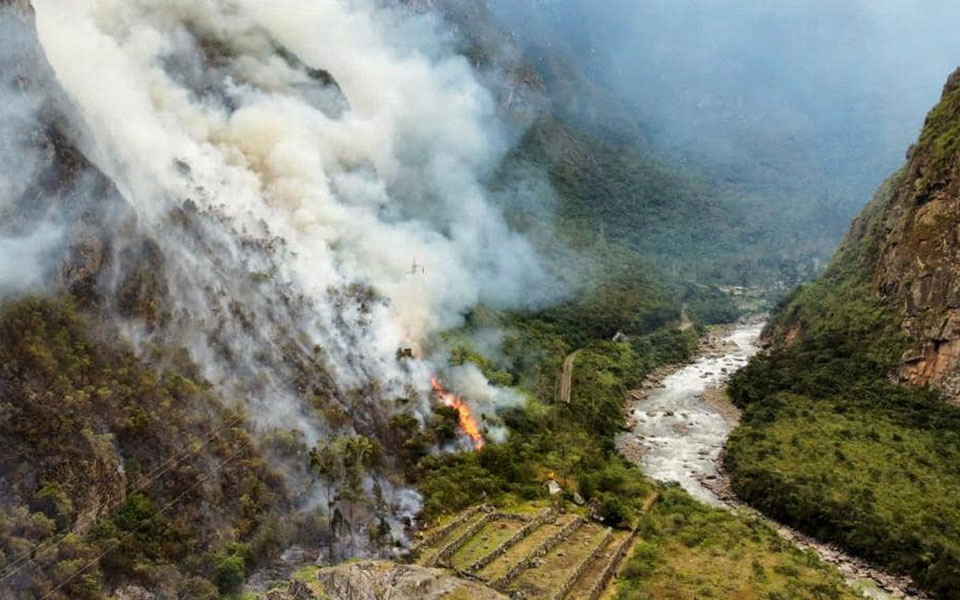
(690, 551)
(499, 567)
(880, 479)
(483, 542)
(544, 579)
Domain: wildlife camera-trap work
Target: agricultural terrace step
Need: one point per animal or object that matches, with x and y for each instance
(485, 541)
(432, 536)
(538, 553)
(458, 538)
(523, 549)
(531, 525)
(429, 554)
(582, 566)
(547, 576)
(595, 577)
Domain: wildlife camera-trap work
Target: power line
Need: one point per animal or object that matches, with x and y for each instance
(117, 544)
(140, 485)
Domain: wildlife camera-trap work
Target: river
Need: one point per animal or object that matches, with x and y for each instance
(678, 424)
(678, 433)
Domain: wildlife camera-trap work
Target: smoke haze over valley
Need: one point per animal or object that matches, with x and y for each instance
(809, 102)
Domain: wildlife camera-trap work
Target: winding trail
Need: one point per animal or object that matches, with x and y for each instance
(678, 425)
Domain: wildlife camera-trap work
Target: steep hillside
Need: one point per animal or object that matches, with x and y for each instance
(127, 464)
(114, 474)
(849, 431)
(904, 249)
(117, 475)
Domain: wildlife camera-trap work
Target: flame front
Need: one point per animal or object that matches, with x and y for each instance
(467, 423)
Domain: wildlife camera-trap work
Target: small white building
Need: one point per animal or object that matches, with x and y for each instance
(553, 487)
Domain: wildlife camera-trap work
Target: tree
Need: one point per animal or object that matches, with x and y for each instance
(342, 465)
(327, 462)
(359, 453)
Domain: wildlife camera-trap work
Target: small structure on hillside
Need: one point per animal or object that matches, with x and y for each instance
(552, 487)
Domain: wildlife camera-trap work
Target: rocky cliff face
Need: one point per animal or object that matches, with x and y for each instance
(918, 265)
(905, 247)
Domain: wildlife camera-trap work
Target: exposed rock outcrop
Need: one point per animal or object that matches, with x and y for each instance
(374, 580)
(906, 243)
(918, 265)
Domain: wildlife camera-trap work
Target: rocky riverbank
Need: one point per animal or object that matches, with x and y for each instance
(670, 430)
(677, 424)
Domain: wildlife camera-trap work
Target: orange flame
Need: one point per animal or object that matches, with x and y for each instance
(467, 423)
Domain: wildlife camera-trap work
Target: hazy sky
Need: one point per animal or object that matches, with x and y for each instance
(837, 89)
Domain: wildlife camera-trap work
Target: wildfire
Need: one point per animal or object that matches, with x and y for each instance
(467, 423)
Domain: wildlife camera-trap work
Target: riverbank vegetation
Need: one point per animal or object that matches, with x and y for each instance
(689, 550)
(828, 444)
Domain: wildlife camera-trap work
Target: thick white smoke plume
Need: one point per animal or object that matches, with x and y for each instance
(358, 187)
(335, 151)
(26, 238)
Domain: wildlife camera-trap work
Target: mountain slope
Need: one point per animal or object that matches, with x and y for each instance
(904, 251)
(849, 431)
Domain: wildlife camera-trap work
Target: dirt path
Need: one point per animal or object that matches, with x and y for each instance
(566, 378)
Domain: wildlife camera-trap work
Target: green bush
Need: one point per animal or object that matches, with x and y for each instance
(230, 573)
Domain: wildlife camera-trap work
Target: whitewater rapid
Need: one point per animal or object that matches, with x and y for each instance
(677, 433)
(679, 428)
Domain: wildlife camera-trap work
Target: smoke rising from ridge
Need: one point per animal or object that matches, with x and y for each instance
(357, 197)
(290, 162)
(26, 240)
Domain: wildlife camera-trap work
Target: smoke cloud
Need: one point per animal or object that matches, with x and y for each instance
(309, 176)
(28, 235)
(359, 178)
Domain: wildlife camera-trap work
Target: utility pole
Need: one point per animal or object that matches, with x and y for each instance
(417, 269)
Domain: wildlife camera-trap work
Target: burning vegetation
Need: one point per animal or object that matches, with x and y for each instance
(468, 424)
